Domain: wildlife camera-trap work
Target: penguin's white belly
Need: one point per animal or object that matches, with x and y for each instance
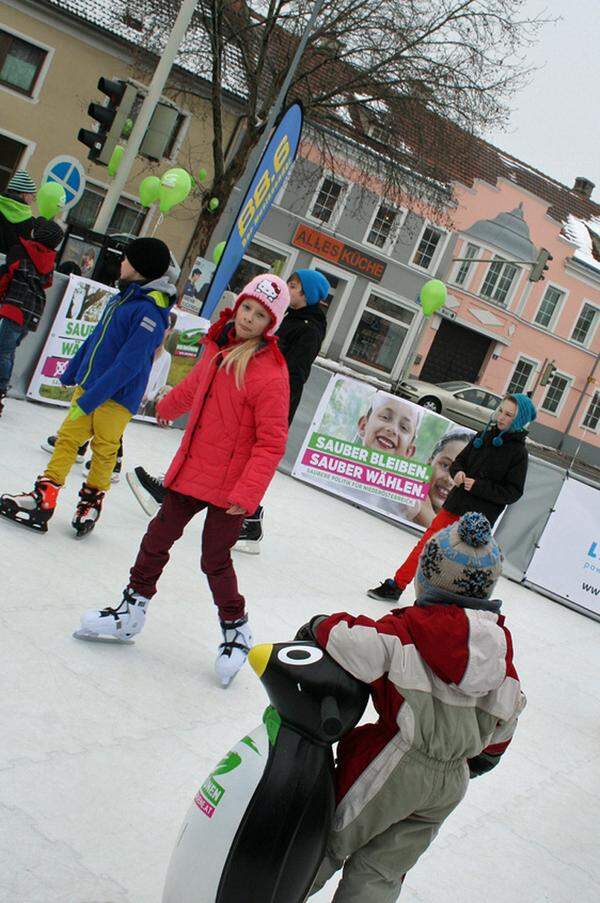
(212, 821)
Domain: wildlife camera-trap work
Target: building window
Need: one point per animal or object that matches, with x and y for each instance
(521, 376)
(380, 334)
(549, 306)
(20, 63)
(465, 266)
(382, 228)
(499, 280)
(584, 325)
(257, 259)
(592, 417)
(11, 152)
(555, 393)
(327, 200)
(128, 216)
(430, 241)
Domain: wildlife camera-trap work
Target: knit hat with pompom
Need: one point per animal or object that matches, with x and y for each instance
(463, 559)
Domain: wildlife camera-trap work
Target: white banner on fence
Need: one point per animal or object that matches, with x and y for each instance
(567, 561)
(76, 318)
(380, 451)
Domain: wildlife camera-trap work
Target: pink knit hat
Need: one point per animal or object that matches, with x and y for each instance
(270, 291)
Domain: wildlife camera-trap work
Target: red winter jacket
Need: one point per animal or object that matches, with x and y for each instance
(234, 438)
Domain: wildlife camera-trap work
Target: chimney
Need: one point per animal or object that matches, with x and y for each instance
(583, 187)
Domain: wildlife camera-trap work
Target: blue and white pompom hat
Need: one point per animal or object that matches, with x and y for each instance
(526, 413)
(464, 559)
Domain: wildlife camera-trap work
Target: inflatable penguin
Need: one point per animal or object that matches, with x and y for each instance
(257, 828)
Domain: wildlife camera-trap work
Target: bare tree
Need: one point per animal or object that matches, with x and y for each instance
(398, 87)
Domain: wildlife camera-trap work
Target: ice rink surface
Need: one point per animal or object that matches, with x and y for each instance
(102, 748)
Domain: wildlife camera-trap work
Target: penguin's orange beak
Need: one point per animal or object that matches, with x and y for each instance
(259, 657)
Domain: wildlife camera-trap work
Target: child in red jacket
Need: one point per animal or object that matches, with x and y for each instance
(23, 280)
(237, 396)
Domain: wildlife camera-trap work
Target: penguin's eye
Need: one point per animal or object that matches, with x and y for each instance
(300, 655)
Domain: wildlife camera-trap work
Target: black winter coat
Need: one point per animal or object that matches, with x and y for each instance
(10, 233)
(300, 338)
(499, 473)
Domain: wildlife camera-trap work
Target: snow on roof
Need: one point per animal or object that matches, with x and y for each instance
(375, 104)
(118, 17)
(585, 234)
(340, 108)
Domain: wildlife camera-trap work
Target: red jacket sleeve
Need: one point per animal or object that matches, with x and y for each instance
(271, 406)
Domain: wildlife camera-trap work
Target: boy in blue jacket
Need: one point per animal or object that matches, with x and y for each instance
(109, 372)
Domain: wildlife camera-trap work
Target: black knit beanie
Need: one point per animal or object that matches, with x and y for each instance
(149, 256)
(47, 233)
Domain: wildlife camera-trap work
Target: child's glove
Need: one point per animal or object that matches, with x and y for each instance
(307, 631)
(481, 764)
(75, 413)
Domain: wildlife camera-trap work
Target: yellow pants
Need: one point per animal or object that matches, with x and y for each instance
(105, 427)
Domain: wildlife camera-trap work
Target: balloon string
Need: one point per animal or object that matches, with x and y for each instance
(158, 222)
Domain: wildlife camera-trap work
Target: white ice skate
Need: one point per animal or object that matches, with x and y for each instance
(115, 625)
(233, 652)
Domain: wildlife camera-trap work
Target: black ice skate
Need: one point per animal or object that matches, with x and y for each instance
(49, 445)
(32, 509)
(251, 534)
(148, 490)
(388, 591)
(88, 510)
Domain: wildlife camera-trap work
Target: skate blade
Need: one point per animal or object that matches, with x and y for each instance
(90, 637)
(149, 505)
(248, 548)
(82, 532)
(24, 521)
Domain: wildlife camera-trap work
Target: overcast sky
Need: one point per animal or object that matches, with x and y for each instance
(555, 124)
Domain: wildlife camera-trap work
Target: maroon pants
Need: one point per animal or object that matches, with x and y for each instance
(220, 533)
(407, 570)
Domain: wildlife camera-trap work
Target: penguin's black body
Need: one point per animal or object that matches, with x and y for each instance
(279, 832)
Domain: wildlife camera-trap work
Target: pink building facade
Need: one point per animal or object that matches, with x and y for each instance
(498, 329)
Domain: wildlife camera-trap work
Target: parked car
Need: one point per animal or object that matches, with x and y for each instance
(462, 402)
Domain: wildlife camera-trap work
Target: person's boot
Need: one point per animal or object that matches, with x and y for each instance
(388, 591)
(118, 624)
(88, 510)
(148, 490)
(32, 509)
(233, 651)
(251, 533)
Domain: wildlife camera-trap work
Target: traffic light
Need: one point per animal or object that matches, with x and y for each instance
(547, 373)
(540, 265)
(111, 118)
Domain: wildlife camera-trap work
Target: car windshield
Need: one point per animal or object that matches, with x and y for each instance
(454, 385)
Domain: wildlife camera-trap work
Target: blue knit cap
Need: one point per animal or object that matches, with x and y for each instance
(526, 413)
(314, 285)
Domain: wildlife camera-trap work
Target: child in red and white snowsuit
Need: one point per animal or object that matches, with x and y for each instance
(237, 396)
(448, 696)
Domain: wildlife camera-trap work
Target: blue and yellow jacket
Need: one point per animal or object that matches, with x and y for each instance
(115, 360)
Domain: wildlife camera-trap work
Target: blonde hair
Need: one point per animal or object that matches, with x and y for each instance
(239, 358)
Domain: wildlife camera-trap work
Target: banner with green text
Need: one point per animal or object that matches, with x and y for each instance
(380, 451)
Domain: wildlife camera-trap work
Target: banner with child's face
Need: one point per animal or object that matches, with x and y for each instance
(381, 451)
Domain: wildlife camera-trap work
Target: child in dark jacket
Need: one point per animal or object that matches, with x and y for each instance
(23, 279)
(489, 474)
(448, 698)
(110, 372)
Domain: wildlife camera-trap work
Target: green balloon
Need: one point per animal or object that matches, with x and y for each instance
(127, 128)
(175, 185)
(115, 160)
(202, 175)
(433, 296)
(149, 190)
(50, 198)
(218, 251)
(213, 204)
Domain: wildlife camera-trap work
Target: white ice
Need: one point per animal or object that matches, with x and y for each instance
(102, 749)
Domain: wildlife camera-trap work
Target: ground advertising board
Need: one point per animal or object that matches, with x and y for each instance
(567, 560)
(76, 318)
(380, 451)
